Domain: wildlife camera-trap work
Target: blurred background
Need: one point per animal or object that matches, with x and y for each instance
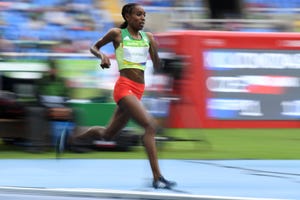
(50, 83)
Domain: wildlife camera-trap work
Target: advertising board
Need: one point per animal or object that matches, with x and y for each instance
(236, 79)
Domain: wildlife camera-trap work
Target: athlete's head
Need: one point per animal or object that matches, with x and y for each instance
(134, 16)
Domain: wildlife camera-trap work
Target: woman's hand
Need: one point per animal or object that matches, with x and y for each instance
(105, 62)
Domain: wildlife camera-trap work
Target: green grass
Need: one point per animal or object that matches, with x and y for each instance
(213, 144)
(236, 144)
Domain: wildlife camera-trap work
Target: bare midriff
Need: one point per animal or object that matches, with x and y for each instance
(135, 75)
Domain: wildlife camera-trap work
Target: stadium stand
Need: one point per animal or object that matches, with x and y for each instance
(31, 25)
(47, 25)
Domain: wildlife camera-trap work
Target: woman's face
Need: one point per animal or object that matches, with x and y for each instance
(136, 19)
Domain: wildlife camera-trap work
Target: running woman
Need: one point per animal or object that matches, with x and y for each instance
(132, 47)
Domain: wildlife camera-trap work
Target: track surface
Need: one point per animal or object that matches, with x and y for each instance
(89, 179)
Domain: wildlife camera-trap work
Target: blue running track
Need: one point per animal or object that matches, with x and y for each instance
(89, 179)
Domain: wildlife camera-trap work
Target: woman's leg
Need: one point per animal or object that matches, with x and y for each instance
(137, 112)
(117, 123)
(89, 134)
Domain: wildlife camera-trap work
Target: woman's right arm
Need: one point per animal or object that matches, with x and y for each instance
(110, 36)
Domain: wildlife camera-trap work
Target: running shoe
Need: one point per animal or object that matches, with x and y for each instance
(162, 183)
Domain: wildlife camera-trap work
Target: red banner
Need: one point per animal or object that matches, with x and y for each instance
(235, 79)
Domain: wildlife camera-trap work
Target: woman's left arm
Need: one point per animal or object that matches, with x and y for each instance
(153, 50)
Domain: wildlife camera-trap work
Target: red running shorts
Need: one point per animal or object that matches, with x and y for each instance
(125, 87)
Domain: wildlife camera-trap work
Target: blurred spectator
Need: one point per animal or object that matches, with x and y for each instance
(6, 45)
(53, 94)
(58, 16)
(21, 5)
(297, 25)
(52, 85)
(65, 46)
(35, 21)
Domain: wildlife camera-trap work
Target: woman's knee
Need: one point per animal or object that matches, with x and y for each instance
(150, 126)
